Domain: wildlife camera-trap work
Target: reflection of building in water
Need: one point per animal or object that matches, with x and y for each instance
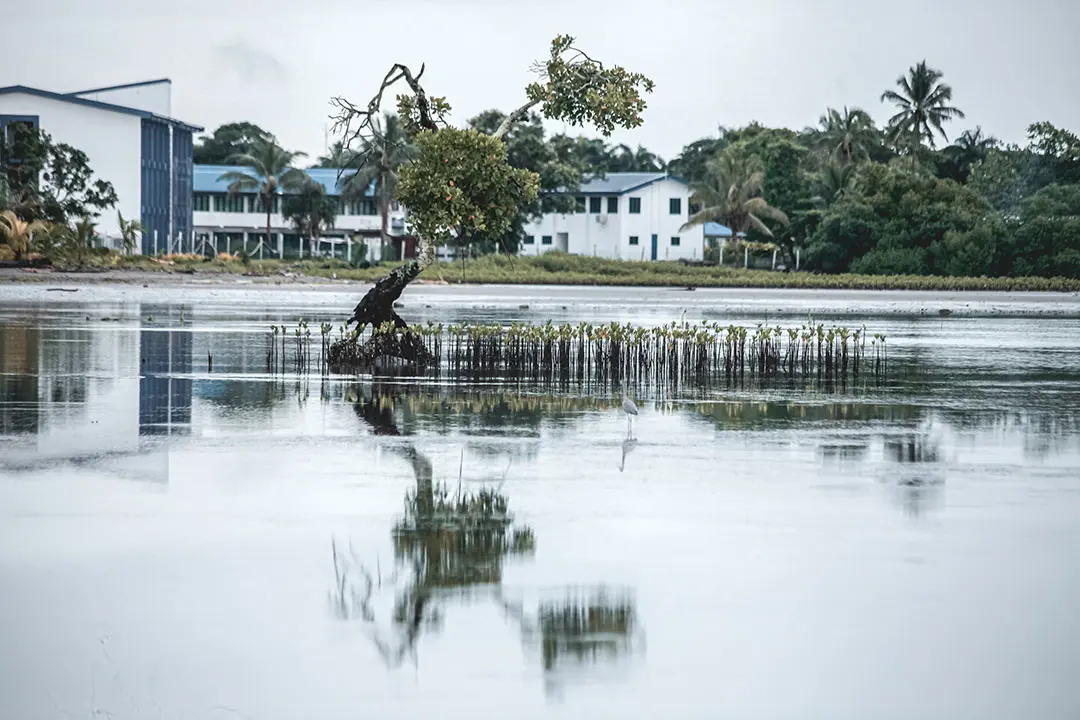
(164, 398)
(73, 389)
(19, 379)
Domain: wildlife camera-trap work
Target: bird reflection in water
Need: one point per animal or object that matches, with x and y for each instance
(453, 544)
(627, 446)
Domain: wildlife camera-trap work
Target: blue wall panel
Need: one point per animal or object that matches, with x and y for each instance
(155, 185)
(183, 153)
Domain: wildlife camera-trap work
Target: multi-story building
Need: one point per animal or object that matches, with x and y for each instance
(229, 222)
(625, 216)
(129, 139)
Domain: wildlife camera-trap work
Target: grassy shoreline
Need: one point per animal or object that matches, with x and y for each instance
(576, 270)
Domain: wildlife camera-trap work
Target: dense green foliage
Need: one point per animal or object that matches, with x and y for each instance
(228, 140)
(41, 179)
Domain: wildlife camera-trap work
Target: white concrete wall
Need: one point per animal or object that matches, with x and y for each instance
(256, 222)
(610, 238)
(156, 98)
(112, 141)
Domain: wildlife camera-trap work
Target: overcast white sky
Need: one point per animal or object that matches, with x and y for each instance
(715, 62)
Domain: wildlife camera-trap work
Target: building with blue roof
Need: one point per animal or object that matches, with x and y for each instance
(626, 216)
(131, 140)
(229, 222)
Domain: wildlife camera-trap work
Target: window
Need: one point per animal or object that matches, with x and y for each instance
(674, 242)
(16, 136)
(635, 206)
(633, 239)
(200, 202)
(594, 204)
(361, 206)
(545, 239)
(579, 204)
(675, 206)
(256, 204)
(530, 240)
(613, 205)
(229, 203)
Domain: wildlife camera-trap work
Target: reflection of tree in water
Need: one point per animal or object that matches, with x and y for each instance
(581, 628)
(917, 476)
(449, 543)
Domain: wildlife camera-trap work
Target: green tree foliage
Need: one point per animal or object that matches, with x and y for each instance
(690, 164)
(895, 221)
(239, 138)
(527, 148)
(17, 234)
(130, 232)
(461, 183)
(847, 136)
(969, 149)
(1058, 150)
(268, 170)
(310, 210)
(47, 180)
(922, 108)
(731, 194)
(378, 162)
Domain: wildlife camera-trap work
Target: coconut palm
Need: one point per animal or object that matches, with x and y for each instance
(379, 160)
(130, 231)
(833, 182)
(923, 103)
(846, 135)
(969, 148)
(310, 210)
(731, 194)
(17, 233)
(269, 170)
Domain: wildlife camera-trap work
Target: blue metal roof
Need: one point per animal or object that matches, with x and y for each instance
(125, 86)
(623, 182)
(207, 178)
(715, 229)
(75, 100)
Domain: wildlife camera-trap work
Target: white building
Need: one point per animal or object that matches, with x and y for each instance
(625, 216)
(229, 222)
(130, 140)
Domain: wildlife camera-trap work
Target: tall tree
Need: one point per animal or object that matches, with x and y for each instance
(238, 138)
(379, 159)
(460, 181)
(731, 194)
(969, 148)
(310, 210)
(833, 182)
(51, 181)
(528, 149)
(269, 169)
(690, 163)
(847, 135)
(923, 108)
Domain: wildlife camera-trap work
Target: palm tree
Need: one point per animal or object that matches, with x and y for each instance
(310, 210)
(923, 103)
(731, 194)
(833, 182)
(17, 234)
(846, 135)
(968, 149)
(130, 230)
(379, 160)
(269, 170)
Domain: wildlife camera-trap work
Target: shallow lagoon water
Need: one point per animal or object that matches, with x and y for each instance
(890, 549)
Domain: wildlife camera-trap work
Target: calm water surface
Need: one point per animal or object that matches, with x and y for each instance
(872, 549)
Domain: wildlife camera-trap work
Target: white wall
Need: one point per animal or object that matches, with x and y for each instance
(156, 98)
(112, 142)
(610, 238)
(256, 222)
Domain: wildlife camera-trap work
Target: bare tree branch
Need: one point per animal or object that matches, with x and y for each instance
(513, 119)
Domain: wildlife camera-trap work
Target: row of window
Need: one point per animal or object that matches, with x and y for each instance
(234, 203)
(596, 203)
(634, 240)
